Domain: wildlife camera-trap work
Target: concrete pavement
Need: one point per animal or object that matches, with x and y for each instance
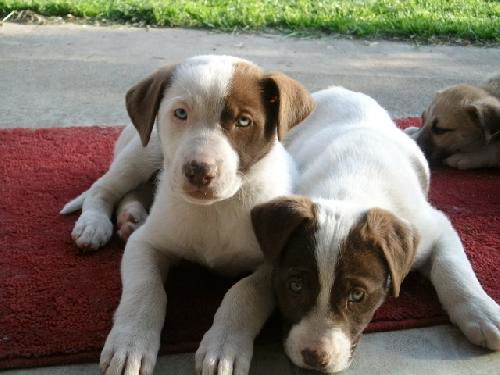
(69, 75)
(78, 75)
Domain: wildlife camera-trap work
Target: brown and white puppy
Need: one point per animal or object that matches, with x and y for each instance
(219, 122)
(361, 222)
(461, 127)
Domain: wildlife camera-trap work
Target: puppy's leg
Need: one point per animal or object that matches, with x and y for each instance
(227, 347)
(488, 156)
(468, 305)
(132, 345)
(132, 166)
(133, 209)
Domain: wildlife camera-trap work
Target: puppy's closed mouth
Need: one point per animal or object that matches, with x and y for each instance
(200, 196)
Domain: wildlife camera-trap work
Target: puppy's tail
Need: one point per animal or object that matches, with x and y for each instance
(74, 205)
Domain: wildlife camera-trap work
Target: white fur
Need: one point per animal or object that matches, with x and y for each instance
(364, 162)
(316, 332)
(216, 233)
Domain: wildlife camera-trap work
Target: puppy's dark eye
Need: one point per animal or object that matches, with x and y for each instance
(437, 130)
(181, 114)
(295, 286)
(243, 121)
(356, 295)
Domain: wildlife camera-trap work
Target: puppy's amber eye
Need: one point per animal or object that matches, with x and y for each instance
(243, 121)
(181, 114)
(356, 295)
(437, 130)
(295, 286)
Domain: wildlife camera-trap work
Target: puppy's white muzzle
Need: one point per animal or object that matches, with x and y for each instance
(327, 350)
(205, 168)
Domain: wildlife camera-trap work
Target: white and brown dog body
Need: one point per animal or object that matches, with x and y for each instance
(219, 121)
(359, 223)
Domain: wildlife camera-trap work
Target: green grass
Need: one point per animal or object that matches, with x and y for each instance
(471, 20)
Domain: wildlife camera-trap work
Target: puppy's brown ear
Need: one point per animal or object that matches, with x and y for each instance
(396, 241)
(144, 98)
(486, 114)
(287, 100)
(275, 221)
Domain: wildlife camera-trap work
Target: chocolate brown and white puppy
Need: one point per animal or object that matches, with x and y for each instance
(461, 127)
(360, 223)
(219, 121)
(328, 284)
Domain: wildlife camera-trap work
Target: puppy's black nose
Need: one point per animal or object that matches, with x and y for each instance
(200, 174)
(315, 358)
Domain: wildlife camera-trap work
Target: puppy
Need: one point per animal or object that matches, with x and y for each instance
(219, 122)
(333, 253)
(461, 127)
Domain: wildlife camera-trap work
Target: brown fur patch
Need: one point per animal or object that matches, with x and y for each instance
(360, 268)
(286, 229)
(293, 100)
(297, 263)
(144, 98)
(390, 237)
(274, 104)
(275, 221)
(379, 245)
(245, 97)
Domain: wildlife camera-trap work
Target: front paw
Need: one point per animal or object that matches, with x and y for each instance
(224, 353)
(460, 161)
(129, 219)
(479, 320)
(92, 230)
(129, 352)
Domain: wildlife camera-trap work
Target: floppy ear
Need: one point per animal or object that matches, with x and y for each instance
(275, 221)
(144, 98)
(486, 114)
(396, 240)
(288, 100)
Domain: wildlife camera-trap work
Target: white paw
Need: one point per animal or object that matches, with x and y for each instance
(129, 219)
(129, 352)
(479, 320)
(92, 230)
(224, 353)
(459, 161)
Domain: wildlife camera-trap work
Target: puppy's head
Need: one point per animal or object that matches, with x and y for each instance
(461, 118)
(333, 267)
(217, 116)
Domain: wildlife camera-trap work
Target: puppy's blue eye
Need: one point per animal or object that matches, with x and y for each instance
(243, 121)
(181, 114)
(356, 295)
(295, 286)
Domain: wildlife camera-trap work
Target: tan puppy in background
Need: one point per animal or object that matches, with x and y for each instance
(461, 127)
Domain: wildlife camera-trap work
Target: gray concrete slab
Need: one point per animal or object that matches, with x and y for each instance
(437, 350)
(67, 75)
(77, 75)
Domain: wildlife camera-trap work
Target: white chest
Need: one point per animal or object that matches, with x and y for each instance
(219, 236)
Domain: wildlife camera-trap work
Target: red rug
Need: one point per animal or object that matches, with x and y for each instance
(56, 304)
